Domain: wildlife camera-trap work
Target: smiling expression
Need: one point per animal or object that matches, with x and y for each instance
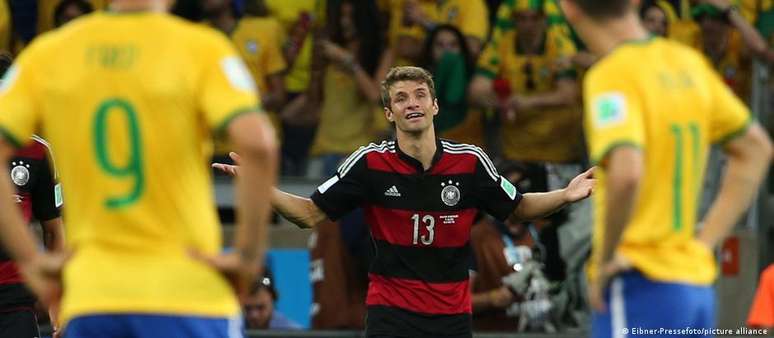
(412, 106)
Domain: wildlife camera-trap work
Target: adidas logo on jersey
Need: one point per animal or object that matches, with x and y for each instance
(393, 191)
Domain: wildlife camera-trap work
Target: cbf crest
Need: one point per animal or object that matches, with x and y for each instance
(450, 194)
(20, 173)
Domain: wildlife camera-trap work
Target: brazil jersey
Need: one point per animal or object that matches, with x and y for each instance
(129, 104)
(672, 107)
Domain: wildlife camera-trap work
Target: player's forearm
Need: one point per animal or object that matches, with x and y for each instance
(298, 210)
(539, 205)
(53, 234)
(739, 186)
(258, 172)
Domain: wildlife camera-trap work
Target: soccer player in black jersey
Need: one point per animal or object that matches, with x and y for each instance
(420, 195)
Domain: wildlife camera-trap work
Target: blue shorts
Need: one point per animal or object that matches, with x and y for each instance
(152, 326)
(635, 304)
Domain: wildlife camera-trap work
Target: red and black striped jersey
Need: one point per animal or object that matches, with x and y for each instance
(420, 222)
(32, 176)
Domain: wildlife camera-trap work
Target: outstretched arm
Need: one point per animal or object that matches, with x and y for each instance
(298, 210)
(538, 205)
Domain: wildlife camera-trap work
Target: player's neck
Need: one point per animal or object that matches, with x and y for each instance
(617, 32)
(421, 146)
(159, 6)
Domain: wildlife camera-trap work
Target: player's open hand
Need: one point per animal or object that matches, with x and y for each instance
(230, 169)
(238, 270)
(604, 273)
(581, 187)
(43, 275)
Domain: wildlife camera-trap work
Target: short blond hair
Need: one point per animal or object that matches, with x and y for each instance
(405, 73)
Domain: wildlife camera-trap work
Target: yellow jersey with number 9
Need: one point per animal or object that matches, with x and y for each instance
(130, 103)
(665, 99)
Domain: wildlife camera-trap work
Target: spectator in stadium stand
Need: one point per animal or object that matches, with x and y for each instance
(349, 117)
(301, 20)
(730, 43)
(68, 10)
(259, 310)
(420, 195)
(39, 197)
(447, 56)
(524, 74)
(656, 16)
(256, 38)
(411, 20)
(349, 111)
(538, 101)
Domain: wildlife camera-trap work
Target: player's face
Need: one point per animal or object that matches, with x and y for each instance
(412, 107)
(258, 309)
(445, 41)
(655, 21)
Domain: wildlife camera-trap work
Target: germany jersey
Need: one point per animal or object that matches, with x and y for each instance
(38, 196)
(420, 221)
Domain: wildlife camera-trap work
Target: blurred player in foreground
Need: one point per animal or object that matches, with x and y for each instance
(649, 127)
(129, 90)
(420, 195)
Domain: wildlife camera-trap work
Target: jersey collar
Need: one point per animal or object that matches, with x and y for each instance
(414, 162)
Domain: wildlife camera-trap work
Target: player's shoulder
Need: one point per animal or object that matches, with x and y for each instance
(452, 147)
(472, 153)
(37, 148)
(361, 154)
(52, 41)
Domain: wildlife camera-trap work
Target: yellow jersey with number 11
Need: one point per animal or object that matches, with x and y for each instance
(130, 102)
(662, 97)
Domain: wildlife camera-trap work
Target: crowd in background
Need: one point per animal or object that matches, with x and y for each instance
(508, 78)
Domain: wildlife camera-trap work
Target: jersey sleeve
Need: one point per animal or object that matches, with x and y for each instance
(44, 194)
(729, 115)
(19, 105)
(344, 191)
(613, 114)
(226, 87)
(495, 194)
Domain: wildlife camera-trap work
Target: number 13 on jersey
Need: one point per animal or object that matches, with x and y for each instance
(429, 223)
